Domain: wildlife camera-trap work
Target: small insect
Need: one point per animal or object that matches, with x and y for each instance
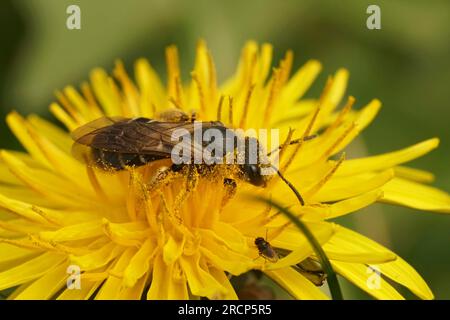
(266, 250)
(115, 143)
(309, 268)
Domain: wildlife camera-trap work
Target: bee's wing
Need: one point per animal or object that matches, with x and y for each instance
(160, 136)
(136, 136)
(84, 136)
(87, 132)
(163, 140)
(122, 135)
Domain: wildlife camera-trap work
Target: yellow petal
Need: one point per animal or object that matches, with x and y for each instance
(264, 62)
(398, 270)
(97, 258)
(349, 246)
(172, 250)
(18, 126)
(150, 86)
(139, 264)
(222, 278)
(227, 260)
(113, 284)
(413, 174)
(105, 92)
(80, 231)
(387, 160)
(339, 86)
(347, 187)
(362, 120)
(177, 284)
(24, 194)
(60, 161)
(363, 277)
(230, 236)
(248, 55)
(11, 256)
(22, 226)
(201, 283)
(30, 270)
(46, 286)
(291, 238)
(330, 144)
(130, 93)
(401, 272)
(22, 209)
(297, 285)
(85, 293)
(80, 104)
(222, 257)
(126, 234)
(160, 278)
(416, 195)
(295, 114)
(7, 177)
(350, 205)
(60, 114)
(301, 80)
(135, 292)
(45, 182)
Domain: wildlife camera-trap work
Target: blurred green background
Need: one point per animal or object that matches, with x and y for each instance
(406, 64)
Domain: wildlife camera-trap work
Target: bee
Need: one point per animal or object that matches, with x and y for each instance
(116, 143)
(309, 268)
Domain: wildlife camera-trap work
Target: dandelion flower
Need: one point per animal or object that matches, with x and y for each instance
(131, 243)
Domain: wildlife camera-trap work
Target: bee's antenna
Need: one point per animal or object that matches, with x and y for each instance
(313, 136)
(290, 185)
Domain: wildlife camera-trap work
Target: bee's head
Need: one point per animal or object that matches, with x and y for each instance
(252, 174)
(251, 169)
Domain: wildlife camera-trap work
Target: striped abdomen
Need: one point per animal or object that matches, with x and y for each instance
(119, 161)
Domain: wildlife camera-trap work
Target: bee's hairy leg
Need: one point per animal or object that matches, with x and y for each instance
(230, 187)
(162, 177)
(193, 116)
(192, 176)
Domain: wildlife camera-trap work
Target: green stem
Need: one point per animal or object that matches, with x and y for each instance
(333, 283)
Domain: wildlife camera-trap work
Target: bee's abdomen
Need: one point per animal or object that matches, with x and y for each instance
(108, 160)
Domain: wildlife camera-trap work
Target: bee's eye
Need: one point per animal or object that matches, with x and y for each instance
(253, 173)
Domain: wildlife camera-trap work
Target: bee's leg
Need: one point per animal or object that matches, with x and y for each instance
(230, 187)
(193, 116)
(162, 177)
(191, 184)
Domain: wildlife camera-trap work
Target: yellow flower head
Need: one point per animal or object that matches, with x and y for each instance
(189, 238)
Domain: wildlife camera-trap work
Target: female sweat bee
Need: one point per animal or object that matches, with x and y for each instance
(115, 143)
